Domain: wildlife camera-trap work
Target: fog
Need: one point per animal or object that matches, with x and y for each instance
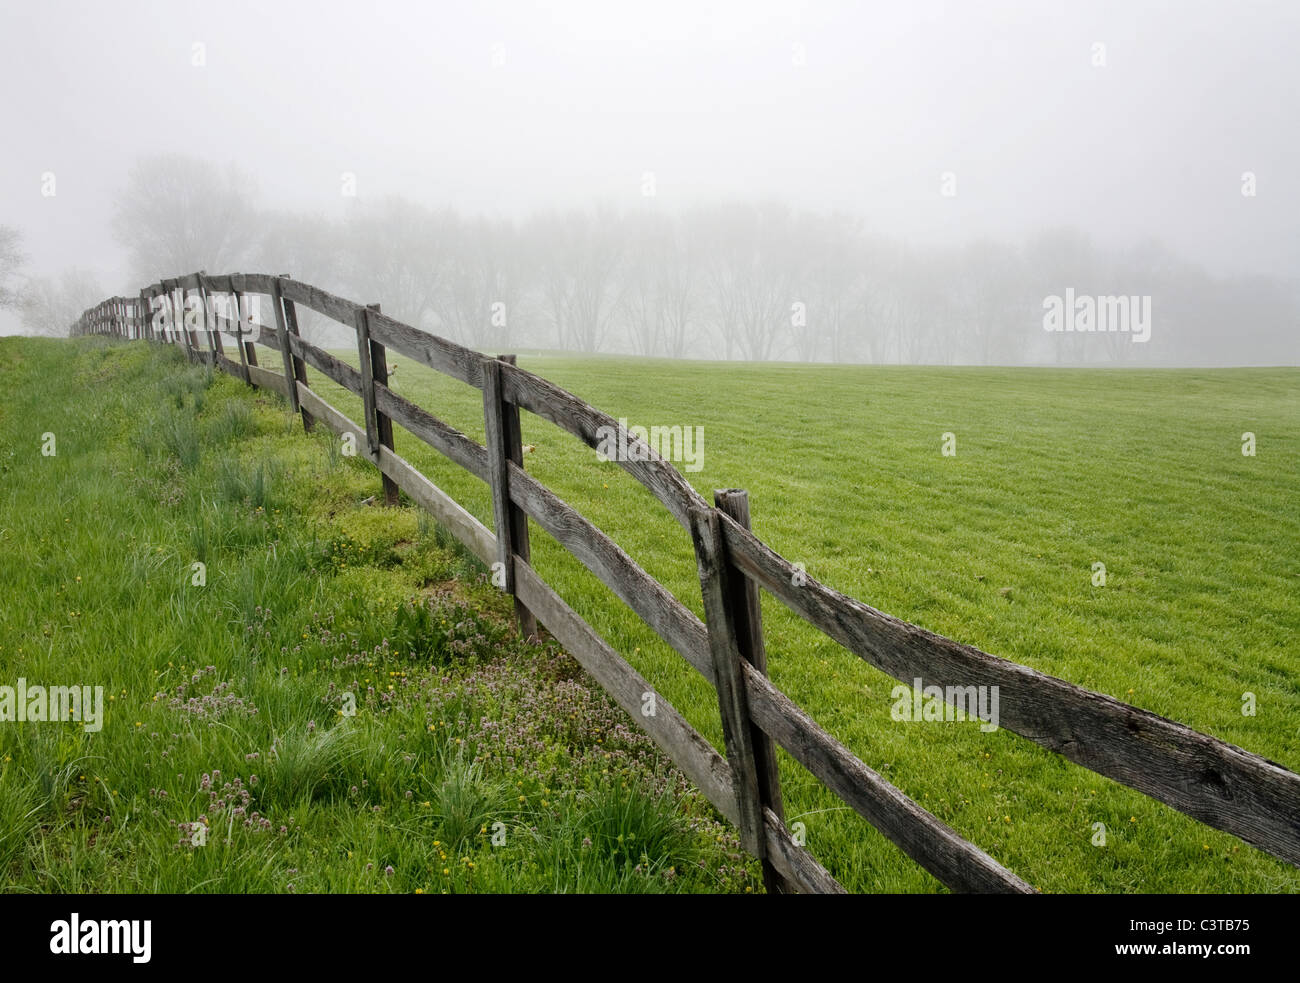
(902, 182)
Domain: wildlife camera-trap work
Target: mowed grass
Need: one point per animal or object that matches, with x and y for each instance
(1055, 470)
(473, 762)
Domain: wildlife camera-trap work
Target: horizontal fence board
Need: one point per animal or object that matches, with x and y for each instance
(794, 862)
(441, 436)
(672, 620)
(266, 379)
(268, 336)
(568, 412)
(477, 537)
(691, 752)
(338, 370)
(1213, 782)
(958, 864)
(690, 749)
(320, 301)
(252, 283)
(437, 353)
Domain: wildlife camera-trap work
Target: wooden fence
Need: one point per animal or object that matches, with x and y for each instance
(1216, 783)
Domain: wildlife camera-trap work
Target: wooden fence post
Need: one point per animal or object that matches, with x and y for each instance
(744, 600)
(146, 315)
(240, 298)
(178, 316)
(282, 334)
(383, 424)
(734, 622)
(374, 368)
(505, 444)
(210, 331)
(290, 314)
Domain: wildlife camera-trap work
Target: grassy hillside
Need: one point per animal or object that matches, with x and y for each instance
(472, 763)
(1055, 470)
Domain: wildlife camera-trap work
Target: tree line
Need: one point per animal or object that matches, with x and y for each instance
(754, 279)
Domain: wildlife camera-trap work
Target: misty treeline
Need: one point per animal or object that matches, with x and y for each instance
(752, 280)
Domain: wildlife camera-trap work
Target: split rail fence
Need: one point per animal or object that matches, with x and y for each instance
(1214, 782)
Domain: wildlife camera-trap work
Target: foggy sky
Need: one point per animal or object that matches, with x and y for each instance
(509, 108)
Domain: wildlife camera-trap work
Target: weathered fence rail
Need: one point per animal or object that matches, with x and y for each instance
(1214, 782)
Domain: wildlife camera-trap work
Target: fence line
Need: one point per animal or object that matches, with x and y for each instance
(1214, 782)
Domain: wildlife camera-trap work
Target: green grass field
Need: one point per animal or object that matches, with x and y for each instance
(1055, 470)
(473, 763)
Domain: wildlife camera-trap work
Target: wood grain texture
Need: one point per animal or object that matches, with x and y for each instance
(299, 367)
(437, 353)
(338, 370)
(958, 864)
(441, 436)
(282, 342)
(1214, 782)
(668, 617)
(266, 379)
(697, 758)
(320, 301)
(728, 677)
(568, 412)
(742, 598)
(477, 537)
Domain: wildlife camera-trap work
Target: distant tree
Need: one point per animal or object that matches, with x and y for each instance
(752, 269)
(483, 291)
(394, 252)
(11, 260)
(580, 259)
(308, 248)
(178, 214)
(830, 270)
(49, 305)
(993, 303)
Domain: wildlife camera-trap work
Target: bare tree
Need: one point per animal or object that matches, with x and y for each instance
(481, 300)
(49, 306)
(643, 300)
(581, 258)
(829, 247)
(751, 272)
(11, 260)
(395, 253)
(178, 214)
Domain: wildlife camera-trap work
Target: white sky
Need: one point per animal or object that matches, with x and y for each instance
(706, 95)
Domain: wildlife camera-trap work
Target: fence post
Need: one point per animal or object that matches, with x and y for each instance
(374, 368)
(505, 444)
(209, 332)
(290, 314)
(383, 424)
(745, 602)
(249, 351)
(178, 316)
(282, 335)
(146, 315)
(735, 637)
